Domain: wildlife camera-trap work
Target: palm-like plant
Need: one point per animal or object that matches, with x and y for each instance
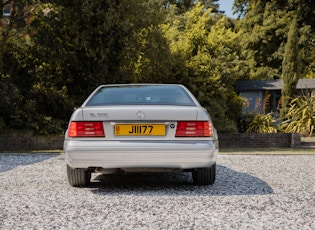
(262, 124)
(301, 115)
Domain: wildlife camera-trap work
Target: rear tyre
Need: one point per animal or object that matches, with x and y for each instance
(204, 176)
(78, 177)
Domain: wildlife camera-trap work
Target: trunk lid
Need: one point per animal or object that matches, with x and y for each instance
(140, 113)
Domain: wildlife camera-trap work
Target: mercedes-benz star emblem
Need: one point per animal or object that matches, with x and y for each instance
(140, 115)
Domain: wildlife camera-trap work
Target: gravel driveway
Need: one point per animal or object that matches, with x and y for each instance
(251, 192)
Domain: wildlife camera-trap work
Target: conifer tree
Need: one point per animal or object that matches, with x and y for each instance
(290, 67)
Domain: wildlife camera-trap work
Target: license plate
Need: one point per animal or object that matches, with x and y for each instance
(140, 130)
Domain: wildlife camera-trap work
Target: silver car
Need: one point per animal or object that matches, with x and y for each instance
(140, 128)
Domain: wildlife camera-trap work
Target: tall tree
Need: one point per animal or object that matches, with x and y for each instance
(12, 40)
(11, 25)
(264, 27)
(186, 5)
(210, 55)
(290, 67)
(144, 55)
(70, 47)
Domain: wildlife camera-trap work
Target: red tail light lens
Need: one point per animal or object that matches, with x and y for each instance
(86, 129)
(194, 129)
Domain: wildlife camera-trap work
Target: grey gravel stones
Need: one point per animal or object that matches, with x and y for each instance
(251, 192)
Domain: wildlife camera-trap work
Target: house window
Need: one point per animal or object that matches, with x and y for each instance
(7, 10)
(253, 101)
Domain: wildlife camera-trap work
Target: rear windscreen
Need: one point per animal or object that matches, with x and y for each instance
(141, 95)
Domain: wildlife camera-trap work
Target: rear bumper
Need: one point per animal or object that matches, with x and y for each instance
(136, 154)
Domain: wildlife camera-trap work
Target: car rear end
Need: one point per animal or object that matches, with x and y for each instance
(133, 129)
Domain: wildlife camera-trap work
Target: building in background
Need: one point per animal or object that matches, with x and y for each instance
(264, 96)
(7, 10)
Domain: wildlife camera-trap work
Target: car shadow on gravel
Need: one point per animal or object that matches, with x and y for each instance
(228, 182)
(9, 161)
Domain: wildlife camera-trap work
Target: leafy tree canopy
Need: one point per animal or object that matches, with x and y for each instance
(264, 27)
(209, 52)
(53, 53)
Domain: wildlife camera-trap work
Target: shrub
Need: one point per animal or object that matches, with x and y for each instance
(244, 122)
(301, 115)
(262, 124)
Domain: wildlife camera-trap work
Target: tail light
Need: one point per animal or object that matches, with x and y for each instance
(86, 129)
(194, 129)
